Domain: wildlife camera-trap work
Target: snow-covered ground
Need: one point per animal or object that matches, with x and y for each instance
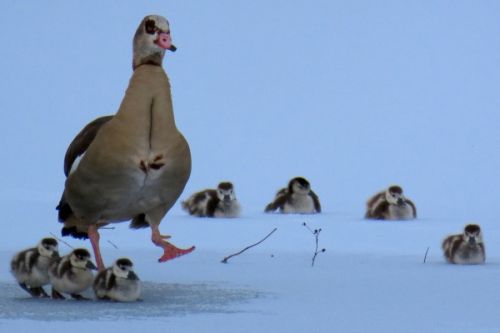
(371, 279)
(353, 95)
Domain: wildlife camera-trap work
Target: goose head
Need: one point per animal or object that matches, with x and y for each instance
(151, 40)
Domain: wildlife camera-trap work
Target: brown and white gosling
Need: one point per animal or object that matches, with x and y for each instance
(297, 198)
(71, 274)
(221, 202)
(466, 248)
(118, 283)
(31, 267)
(390, 204)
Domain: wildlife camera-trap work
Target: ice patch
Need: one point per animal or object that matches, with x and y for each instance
(158, 300)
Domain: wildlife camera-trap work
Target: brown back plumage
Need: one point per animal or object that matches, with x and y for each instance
(25, 260)
(202, 203)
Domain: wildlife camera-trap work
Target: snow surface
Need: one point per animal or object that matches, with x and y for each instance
(353, 95)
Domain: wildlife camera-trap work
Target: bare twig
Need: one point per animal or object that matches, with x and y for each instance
(426, 252)
(60, 240)
(315, 232)
(224, 261)
(110, 242)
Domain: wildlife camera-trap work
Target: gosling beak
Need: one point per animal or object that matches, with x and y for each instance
(472, 241)
(90, 265)
(55, 255)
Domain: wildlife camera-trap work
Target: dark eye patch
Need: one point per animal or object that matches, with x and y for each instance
(150, 27)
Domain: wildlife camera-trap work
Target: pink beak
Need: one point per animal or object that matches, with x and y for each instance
(165, 41)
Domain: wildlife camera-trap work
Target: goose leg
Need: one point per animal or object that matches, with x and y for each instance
(32, 291)
(56, 294)
(169, 250)
(94, 240)
(40, 292)
(79, 297)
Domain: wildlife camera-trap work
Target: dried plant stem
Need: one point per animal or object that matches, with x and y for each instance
(110, 242)
(316, 233)
(224, 261)
(426, 252)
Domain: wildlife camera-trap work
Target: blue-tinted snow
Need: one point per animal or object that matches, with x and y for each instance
(353, 95)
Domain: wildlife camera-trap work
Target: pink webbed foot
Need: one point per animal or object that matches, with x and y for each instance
(170, 251)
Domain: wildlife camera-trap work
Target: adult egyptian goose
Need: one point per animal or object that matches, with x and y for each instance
(390, 204)
(135, 164)
(297, 198)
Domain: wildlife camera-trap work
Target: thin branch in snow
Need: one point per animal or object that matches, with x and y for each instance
(60, 240)
(316, 233)
(224, 261)
(426, 252)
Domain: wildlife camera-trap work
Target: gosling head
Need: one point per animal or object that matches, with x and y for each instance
(299, 185)
(48, 247)
(394, 195)
(225, 192)
(472, 234)
(80, 258)
(124, 268)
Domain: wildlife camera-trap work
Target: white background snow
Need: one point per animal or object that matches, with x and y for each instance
(353, 95)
